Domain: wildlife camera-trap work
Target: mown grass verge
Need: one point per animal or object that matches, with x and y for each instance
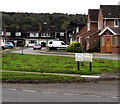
(10, 77)
(56, 64)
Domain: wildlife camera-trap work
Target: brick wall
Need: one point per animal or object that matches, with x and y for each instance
(94, 26)
(109, 23)
(116, 49)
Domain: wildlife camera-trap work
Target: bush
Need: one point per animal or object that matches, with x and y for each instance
(74, 47)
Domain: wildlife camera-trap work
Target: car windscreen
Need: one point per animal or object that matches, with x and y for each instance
(37, 44)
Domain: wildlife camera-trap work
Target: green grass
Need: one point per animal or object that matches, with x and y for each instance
(9, 76)
(55, 64)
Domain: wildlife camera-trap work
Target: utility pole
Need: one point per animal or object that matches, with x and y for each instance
(66, 36)
(45, 23)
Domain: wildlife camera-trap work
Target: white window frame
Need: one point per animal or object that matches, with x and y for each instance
(61, 33)
(18, 34)
(87, 43)
(45, 35)
(99, 25)
(34, 35)
(88, 27)
(116, 20)
(8, 33)
(77, 29)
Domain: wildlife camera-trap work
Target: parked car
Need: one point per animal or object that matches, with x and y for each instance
(9, 45)
(37, 46)
(57, 45)
(3, 46)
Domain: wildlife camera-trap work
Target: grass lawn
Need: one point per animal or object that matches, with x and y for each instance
(9, 76)
(55, 64)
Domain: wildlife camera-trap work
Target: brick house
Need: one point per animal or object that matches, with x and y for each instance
(103, 26)
(88, 35)
(109, 27)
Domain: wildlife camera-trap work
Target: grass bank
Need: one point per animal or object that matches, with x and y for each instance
(55, 64)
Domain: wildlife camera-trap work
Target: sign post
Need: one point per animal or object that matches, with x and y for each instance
(78, 68)
(83, 57)
(90, 66)
(15, 44)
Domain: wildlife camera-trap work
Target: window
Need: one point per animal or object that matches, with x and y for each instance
(8, 33)
(48, 34)
(51, 42)
(32, 42)
(87, 43)
(45, 35)
(113, 41)
(62, 43)
(77, 29)
(18, 34)
(118, 41)
(102, 41)
(34, 34)
(116, 23)
(99, 25)
(88, 26)
(62, 34)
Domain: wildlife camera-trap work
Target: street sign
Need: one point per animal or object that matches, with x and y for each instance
(83, 57)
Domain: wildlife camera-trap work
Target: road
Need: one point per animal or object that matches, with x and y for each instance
(104, 91)
(43, 52)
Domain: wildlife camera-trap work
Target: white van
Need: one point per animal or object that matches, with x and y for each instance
(57, 45)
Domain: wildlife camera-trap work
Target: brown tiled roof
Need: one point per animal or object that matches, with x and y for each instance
(116, 30)
(110, 11)
(93, 14)
(85, 33)
(82, 31)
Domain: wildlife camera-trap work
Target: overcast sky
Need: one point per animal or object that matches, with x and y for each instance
(53, 6)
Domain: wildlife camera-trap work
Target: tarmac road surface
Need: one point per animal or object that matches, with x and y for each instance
(44, 52)
(104, 91)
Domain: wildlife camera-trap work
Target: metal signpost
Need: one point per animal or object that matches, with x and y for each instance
(15, 44)
(83, 57)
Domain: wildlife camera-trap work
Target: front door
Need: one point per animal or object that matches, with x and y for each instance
(108, 43)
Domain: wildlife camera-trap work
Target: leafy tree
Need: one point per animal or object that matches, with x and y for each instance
(34, 20)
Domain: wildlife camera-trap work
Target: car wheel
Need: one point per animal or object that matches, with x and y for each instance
(11, 47)
(3, 48)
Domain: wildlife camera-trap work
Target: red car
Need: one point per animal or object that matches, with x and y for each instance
(37, 46)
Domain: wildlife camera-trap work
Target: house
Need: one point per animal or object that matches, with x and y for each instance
(110, 40)
(88, 35)
(29, 38)
(14, 35)
(103, 26)
(109, 27)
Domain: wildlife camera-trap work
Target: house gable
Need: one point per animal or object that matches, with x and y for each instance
(113, 30)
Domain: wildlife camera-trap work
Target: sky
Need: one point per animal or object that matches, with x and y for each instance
(53, 6)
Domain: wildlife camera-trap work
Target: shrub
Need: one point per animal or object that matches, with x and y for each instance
(74, 47)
